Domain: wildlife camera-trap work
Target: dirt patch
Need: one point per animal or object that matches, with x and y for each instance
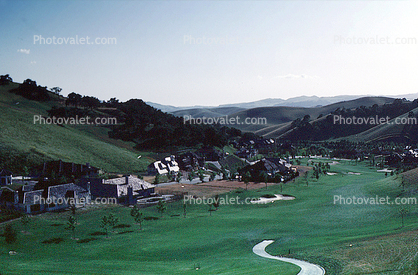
(302, 169)
(208, 189)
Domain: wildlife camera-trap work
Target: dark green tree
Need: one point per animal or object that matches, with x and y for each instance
(71, 225)
(10, 234)
(25, 221)
(56, 90)
(246, 178)
(184, 209)
(104, 223)
(138, 216)
(403, 212)
(216, 202)
(178, 178)
(201, 175)
(157, 179)
(112, 220)
(161, 207)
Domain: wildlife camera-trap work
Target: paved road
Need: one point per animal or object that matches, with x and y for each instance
(306, 268)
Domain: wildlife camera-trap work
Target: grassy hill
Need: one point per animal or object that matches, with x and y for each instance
(410, 181)
(278, 118)
(390, 131)
(23, 141)
(207, 112)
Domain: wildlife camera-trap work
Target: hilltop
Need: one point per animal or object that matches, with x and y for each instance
(125, 146)
(279, 119)
(316, 123)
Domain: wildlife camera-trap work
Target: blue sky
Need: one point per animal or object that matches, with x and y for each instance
(275, 49)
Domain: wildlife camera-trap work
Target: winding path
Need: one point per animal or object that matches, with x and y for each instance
(306, 268)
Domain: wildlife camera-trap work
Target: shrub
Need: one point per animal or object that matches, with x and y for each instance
(122, 225)
(124, 232)
(53, 240)
(149, 218)
(10, 234)
(86, 240)
(98, 233)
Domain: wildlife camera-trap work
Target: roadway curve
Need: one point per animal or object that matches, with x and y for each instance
(306, 268)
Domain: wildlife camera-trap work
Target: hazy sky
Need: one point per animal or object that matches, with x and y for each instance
(212, 52)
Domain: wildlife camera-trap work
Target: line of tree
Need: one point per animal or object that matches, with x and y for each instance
(151, 128)
(5, 80)
(30, 90)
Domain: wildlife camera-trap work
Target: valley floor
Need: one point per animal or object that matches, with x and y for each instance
(342, 238)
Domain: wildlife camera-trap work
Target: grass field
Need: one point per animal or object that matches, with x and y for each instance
(344, 239)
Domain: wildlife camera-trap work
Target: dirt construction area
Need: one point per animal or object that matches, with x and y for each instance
(208, 189)
(212, 188)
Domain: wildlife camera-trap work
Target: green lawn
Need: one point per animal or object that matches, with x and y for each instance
(311, 227)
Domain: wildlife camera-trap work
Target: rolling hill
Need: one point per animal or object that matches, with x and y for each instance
(300, 101)
(278, 118)
(390, 131)
(208, 112)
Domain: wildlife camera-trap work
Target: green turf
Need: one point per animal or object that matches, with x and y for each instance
(311, 226)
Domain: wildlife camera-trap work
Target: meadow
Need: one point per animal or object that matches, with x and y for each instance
(344, 239)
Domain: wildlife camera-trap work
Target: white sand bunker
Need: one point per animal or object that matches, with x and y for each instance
(352, 173)
(385, 170)
(277, 197)
(331, 174)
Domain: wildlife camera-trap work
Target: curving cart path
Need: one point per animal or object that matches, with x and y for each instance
(306, 268)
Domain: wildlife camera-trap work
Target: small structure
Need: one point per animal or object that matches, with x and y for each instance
(5, 177)
(126, 189)
(189, 161)
(210, 154)
(273, 167)
(53, 198)
(129, 188)
(67, 169)
(165, 166)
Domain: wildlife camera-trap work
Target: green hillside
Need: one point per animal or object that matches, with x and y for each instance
(384, 131)
(207, 112)
(33, 143)
(278, 117)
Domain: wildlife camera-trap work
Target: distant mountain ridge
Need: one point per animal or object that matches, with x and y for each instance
(300, 101)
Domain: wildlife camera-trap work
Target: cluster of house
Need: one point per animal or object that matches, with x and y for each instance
(165, 166)
(185, 161)
(382, 157)
(34, 197)
(274, 168)
(250, 148)
(85, 186)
